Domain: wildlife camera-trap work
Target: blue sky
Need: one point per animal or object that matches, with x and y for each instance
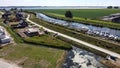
(59, 2)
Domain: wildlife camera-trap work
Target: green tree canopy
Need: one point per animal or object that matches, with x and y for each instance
(116, 7)
(109, 7)
(68, 14)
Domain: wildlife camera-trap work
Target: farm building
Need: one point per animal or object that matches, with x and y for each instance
(112, 18)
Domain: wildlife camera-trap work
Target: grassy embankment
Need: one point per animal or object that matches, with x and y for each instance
(30, 55)
(48, 41)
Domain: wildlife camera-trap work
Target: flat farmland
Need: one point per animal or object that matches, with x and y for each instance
(83, 13)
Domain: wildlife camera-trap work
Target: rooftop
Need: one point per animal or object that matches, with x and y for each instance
(111, 17)
(117, 14)
(32, 30)
(1, 30)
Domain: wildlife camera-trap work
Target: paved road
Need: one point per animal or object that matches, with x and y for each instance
(79, 41)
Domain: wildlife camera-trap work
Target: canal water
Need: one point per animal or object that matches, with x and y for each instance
(79, 58)
(101, 31)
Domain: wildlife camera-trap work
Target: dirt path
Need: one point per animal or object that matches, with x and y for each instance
(7, 64)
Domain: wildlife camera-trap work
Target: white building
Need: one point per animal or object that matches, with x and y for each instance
(2, 33)
(3, 36)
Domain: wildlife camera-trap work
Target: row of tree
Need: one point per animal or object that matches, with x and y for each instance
(113, 7)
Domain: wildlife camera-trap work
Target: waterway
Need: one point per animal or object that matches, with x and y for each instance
(77, 58)
(101, 31)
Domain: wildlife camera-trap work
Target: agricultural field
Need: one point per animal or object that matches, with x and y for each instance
(83, 13)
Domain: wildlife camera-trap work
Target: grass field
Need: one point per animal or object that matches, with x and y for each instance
(32, 56)
(84, 13)
(48, 41)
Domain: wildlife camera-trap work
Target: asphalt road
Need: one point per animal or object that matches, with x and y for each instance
(77, 40)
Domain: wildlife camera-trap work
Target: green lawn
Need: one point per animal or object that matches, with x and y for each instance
(32, 56)
(48, 41)
(83, 13)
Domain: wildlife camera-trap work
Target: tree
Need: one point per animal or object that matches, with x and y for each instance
(116, 7)
(109, 7)
(68, 14)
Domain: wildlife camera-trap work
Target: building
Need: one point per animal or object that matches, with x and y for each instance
(3, 36)
(21, 24)
(32, 32)
(6, 15)
(112, 18)
(20, 15)
(5, 40)
(2, 33)
(6, 21)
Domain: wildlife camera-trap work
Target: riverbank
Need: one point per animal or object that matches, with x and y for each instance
(85, 21)
(78, 35)
(35, 23)
(41, 25)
